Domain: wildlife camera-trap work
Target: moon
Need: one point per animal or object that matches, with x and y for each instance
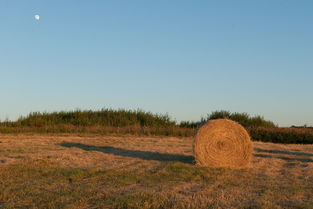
(37, 17)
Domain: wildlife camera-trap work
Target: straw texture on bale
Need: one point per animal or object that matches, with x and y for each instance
(222, 143)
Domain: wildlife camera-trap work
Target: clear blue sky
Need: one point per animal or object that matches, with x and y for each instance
(184, 58)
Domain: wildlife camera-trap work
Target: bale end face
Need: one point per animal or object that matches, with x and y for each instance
(223, 143)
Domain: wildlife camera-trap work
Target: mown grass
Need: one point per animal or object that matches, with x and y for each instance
(40, 171)
(42, 185)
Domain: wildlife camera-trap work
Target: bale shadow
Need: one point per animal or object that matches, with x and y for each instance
(291, 158)
(145, 155)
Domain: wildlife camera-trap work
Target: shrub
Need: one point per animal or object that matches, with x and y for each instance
(104, 117)
(141, 122)
(243, 118)
(105, 121)
(259, 128)
(192, 124)
(282, 135)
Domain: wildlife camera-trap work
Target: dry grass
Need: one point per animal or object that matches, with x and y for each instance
(90, 171)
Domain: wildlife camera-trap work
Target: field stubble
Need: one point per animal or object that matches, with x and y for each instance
(90, 171)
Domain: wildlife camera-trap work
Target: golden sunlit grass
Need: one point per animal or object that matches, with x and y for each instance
(90, 171)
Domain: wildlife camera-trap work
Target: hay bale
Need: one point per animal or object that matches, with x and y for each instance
(222, 143)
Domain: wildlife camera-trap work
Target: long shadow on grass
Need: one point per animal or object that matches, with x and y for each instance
(291, 158)
(145, 155)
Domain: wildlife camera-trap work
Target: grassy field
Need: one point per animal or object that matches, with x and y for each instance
(94, 171)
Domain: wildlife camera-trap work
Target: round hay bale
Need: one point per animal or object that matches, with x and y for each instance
(223, 143)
